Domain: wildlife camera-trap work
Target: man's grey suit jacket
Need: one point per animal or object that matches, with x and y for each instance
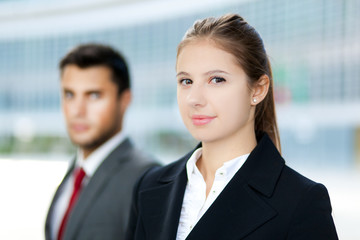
(103, 207)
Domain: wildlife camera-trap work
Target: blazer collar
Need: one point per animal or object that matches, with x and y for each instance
(161, 205)
(263, 166)
(177, 168)
(238, 204)
(240, 208)
(261, 169)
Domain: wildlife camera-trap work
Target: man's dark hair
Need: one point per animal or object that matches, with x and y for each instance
(90, 55)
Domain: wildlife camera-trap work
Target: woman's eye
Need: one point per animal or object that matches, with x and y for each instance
(217, 80)
(185, 82)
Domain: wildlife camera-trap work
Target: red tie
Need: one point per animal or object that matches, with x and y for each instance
(78, 177)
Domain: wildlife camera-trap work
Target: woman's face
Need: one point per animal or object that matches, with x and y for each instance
(213, 94)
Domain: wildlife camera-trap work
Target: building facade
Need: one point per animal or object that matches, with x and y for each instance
(314, 47)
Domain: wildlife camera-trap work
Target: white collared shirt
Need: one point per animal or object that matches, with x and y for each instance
(90, 165)
(195, 203)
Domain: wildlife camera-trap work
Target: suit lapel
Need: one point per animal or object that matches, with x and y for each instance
(235, 213)
(48, 223)
(161, 206)
(93, 189)
(242, 207)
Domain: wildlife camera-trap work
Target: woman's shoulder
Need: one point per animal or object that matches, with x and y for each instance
(293, 177)
(299, 186)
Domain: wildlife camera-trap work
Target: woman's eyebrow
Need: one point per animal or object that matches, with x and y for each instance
(215, 71)
(182, 73)
(206, 74)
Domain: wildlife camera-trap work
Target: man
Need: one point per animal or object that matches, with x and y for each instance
(93, 200)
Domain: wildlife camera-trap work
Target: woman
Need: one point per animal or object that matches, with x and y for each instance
(235, 184)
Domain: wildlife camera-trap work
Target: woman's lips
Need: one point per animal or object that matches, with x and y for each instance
(199, 120)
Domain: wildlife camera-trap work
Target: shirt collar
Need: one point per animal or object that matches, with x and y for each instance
(93, 161)
(191, 163)
(228, 169)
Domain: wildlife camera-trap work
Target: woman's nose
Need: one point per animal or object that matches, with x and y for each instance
(196, 96)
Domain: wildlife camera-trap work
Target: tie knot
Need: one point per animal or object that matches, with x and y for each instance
(79, 176)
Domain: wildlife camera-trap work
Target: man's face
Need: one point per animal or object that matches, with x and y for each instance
(92, 108)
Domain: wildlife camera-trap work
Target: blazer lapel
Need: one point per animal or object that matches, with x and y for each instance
(48, 222)
(234, 214)
(242, 207)
(161, 206)
(94, 187)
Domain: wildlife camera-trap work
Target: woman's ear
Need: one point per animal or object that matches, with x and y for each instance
(260, 90)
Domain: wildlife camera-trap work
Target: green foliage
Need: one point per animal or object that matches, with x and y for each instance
(38, 145)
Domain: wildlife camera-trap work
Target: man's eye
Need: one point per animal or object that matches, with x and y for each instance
(68, 95)
(95, 95)
(217, 80)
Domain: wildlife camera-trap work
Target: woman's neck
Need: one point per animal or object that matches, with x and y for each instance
(214, 154)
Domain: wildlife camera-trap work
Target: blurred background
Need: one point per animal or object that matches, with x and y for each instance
(314, 47)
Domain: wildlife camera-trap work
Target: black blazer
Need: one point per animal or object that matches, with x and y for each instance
(264, 200)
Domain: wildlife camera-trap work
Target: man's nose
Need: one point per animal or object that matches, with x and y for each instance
(79, 107)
